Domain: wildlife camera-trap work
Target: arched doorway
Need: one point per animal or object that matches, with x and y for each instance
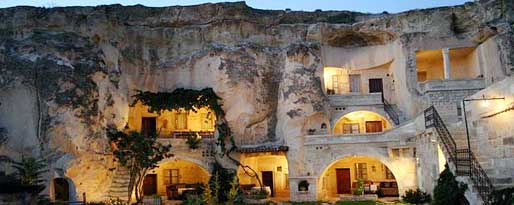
(341, 178)
(272, 169)
(61, 189)
(175, 178)
(360, 122)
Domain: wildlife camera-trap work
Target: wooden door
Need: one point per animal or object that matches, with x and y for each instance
(150, 185)
(267, 180)
(373, 126)
(375, 85)
(148, 126)
(355, 83)
(344, 185)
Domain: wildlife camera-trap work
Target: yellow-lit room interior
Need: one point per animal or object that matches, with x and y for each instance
(273, 165)
(463, 64)
(172, 123)
(341, 177)
(177, 175)
(355, 80)
(361, 122)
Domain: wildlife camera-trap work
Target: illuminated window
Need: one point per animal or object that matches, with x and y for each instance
(286, 180)
(361, 171)
(350, 128)
(207, 121)
(171, 176)
(181, 121)
(395, 153)
(388, 173)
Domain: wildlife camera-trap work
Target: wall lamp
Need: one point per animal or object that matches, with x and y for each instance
(485, 103)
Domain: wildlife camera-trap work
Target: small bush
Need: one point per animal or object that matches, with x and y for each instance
(193, 142)
(356, 203)
(416, 197)
(360, 188)
(503, 196)
(448, 190)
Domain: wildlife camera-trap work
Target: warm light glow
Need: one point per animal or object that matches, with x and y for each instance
(357, 122)
(486, 103)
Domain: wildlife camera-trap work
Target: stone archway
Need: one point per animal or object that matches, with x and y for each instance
(175, 174)
(403, 169)
(341, 176)
(361, 121)
(61, 189)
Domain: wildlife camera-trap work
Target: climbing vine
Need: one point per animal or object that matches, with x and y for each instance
(189, 100)
(192, 100)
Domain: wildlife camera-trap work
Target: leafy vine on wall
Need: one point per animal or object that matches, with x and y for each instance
(189, 100)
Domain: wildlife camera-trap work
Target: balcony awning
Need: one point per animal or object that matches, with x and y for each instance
(263, 148)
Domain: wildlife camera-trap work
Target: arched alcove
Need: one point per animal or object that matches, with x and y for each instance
(340, 178)
(361, 122)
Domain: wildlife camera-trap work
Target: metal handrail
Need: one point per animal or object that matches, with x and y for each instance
(460, 157)
(390, 111)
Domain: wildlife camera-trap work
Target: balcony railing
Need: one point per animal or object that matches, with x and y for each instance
(360, 138)
(446, 85)
(186, 134)
(355, 99)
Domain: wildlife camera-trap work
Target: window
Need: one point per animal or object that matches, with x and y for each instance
(181, 121)
(361, 171)
(171, 176)
(395, 153)
(207, 121)
(459, 110)
(388, 173)
(286, 180)
(350, 128)
(422, 76)
(406, 152)
(355, 83)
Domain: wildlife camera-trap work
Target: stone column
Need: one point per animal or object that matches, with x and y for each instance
(446, 62)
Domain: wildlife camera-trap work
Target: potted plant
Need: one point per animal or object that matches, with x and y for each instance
(193, 142)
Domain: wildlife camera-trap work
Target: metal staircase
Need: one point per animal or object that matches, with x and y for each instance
(391, 111)
(464, 160)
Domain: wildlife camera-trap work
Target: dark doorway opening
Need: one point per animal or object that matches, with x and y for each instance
(375, 85)
(267, 180)
(344, 185)
(61, 189)
(150, 185)
(149, 126)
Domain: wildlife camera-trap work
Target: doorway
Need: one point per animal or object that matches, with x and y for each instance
(375, 85)
(148, 126)
(150, 185)
(61, 189)
(267, 180)
(373, 126)
(355, 83)
(343, 181)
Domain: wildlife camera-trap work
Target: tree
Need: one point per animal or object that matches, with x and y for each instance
(30, 170)
(416, 197)
(139, 153)
(448, 190)
(220, 183)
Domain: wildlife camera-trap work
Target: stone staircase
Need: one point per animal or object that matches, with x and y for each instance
(119, 185)
(461, 160)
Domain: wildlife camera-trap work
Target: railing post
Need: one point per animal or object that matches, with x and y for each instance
(84, 198)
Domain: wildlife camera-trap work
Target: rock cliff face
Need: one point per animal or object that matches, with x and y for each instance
(66, 73)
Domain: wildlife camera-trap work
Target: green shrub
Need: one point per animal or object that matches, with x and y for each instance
(448, 190)
(356, 203)
(503, 196)
(416, 197)
(360, 188)
(193, 142)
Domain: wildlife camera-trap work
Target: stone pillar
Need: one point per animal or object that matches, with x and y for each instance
(446, 62)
